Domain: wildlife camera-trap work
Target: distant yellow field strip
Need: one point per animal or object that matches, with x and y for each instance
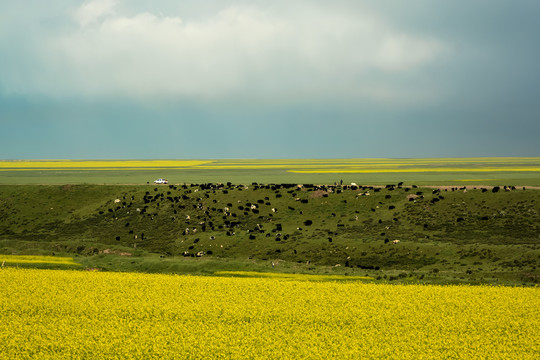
(78, 169)
(31, 259)
(509, 160)
(414, 170)
(293, 165)
(94, 164)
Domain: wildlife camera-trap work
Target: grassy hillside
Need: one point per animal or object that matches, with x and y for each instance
(445, 235)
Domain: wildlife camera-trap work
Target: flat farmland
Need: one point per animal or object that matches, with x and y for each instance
(523, 171)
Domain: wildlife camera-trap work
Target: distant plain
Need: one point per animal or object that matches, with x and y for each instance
(523, 171)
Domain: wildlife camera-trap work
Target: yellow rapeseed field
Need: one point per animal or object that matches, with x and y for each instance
(36, 259)
(58, 314)
(494, 164)
(413, 170)
(97, 164)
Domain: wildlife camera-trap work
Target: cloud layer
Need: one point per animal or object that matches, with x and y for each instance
(282, 53)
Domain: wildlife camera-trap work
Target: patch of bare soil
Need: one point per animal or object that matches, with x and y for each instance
(92, 269)
(318, 194)
(109, 251)
(470, 187)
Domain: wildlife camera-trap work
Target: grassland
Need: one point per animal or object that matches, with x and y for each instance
(447, 235)
(488, 171)
(91, 315)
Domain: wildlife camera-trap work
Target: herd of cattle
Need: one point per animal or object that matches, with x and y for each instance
(204, 219)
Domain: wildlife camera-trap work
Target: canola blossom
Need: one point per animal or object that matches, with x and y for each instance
(59, 314)
(96, 164)
(36, 259)
(495, 164)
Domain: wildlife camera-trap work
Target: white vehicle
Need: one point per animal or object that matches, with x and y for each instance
(161, 181)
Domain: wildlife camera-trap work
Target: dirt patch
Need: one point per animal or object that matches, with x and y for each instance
(109, 251)
(317, 194)
(471, 187)
(93, 269)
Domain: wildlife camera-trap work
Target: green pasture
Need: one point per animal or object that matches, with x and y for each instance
(446, 235)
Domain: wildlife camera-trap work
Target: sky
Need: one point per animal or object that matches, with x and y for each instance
(205, 79)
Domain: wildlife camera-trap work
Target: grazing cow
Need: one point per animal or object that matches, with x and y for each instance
(395, 241)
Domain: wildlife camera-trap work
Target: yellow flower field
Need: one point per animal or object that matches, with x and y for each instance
(96, 164)
(413, 170)
(292, 165)
(55, 314)
(36, 259)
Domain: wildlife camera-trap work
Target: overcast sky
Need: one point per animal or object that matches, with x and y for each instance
(269, 79)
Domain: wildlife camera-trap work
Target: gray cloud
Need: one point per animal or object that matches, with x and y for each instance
(244, 50)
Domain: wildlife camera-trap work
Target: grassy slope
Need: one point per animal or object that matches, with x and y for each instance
(497, 240)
